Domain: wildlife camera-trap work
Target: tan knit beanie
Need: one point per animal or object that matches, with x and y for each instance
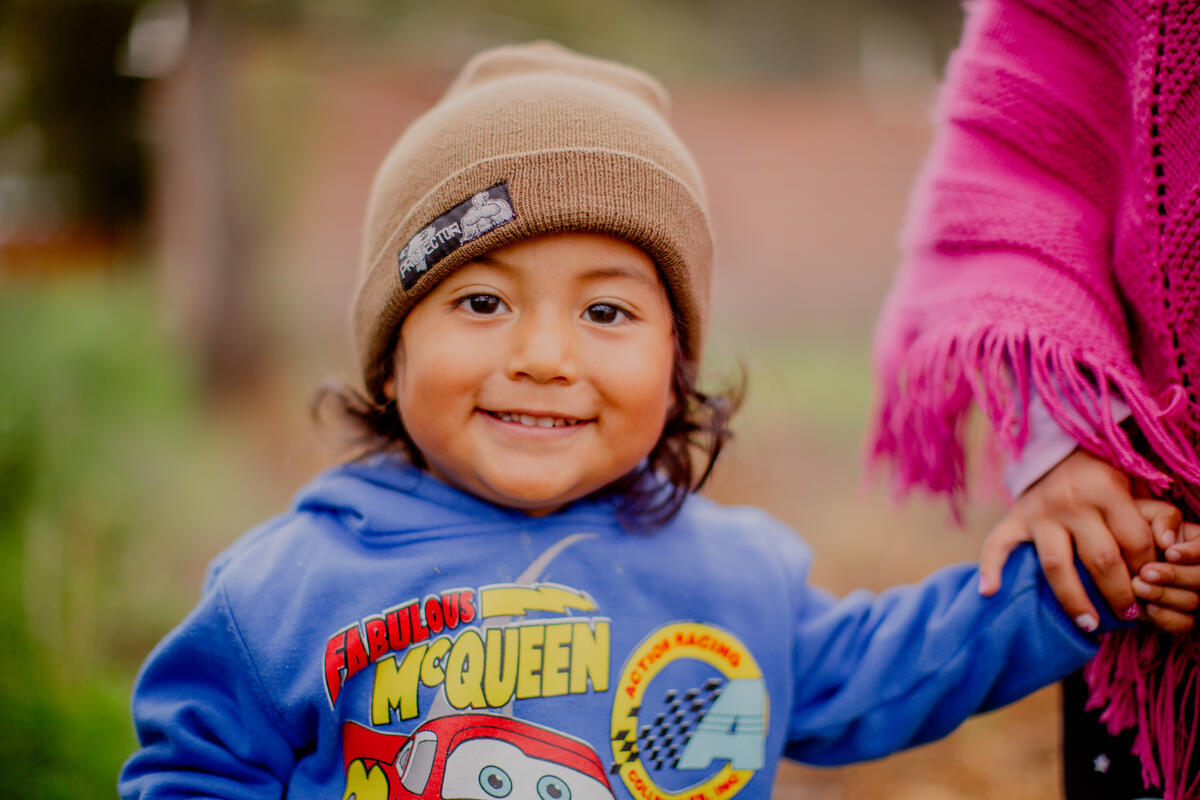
(530, 140)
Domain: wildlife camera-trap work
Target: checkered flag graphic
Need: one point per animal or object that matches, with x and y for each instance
(662, 741)
(625, 748)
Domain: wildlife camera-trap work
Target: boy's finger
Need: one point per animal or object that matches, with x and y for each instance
(1165, 519)
(1168, 620)
(1105, 562)
(1167, 596)
(997, 547)
(1132, 529)
(1180, 576)
(1053, 545)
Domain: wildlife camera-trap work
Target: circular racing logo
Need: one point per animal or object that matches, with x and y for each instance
(689, 720)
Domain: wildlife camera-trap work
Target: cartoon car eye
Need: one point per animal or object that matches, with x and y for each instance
(550, 787)
(495, 781)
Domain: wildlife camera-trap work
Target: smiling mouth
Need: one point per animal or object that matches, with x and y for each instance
(531, 421)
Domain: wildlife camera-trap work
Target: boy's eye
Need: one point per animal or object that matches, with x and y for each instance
(604, 313)
(483, 304)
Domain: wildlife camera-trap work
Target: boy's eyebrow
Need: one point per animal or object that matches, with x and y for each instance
(495, 263)
(596, 273)
(617, 271)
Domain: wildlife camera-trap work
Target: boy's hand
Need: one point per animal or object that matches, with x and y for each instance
(1171, 589)
(1083, 506)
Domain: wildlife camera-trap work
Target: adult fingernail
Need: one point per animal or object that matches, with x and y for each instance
(1151, 574)
(1131, 613)
(1168, 537)
(1173, 555)
(1087, 622)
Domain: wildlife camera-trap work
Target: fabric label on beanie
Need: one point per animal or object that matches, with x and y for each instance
(468, 220)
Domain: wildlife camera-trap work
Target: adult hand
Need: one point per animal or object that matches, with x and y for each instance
(1083, 506)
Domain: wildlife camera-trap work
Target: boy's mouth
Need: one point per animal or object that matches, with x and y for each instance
(534, 421)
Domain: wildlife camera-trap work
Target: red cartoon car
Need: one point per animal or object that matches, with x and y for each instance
(471, 757)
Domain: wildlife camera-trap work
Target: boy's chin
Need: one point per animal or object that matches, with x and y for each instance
(536, 501)
(535, 498)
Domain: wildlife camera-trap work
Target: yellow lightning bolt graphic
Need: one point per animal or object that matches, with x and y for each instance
(515, 601)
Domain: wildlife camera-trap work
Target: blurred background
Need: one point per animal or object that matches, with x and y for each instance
(181, 189)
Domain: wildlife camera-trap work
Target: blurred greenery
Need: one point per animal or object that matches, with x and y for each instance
(99, 517)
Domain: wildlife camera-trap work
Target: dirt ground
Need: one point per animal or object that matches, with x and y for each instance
(807, 186)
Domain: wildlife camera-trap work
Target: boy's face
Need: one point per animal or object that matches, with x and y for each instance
(540, 372)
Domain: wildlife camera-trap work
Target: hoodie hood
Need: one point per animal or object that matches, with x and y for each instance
(385, 496)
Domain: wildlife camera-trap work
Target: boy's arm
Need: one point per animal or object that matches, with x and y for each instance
(876, 674)
(204, 723)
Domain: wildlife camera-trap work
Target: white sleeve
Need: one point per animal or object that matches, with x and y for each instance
(1047, 445)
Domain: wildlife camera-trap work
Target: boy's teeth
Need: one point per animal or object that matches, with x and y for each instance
(532, 421)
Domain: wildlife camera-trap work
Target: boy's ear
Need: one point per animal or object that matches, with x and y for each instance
(391, 382)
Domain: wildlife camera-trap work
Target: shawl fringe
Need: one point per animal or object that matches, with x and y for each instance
(930, 386)
(1148, 680)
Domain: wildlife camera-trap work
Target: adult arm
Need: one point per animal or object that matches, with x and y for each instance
(1009, 252)
(1046, 447)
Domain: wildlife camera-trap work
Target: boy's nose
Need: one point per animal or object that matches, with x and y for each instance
(543, 350)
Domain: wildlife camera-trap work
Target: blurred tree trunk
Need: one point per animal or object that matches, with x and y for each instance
(203, 258)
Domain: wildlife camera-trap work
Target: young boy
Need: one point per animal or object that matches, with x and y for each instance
(519, 596)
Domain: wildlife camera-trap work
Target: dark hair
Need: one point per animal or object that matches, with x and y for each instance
(649, 496)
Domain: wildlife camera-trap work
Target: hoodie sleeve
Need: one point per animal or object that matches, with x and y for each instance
(880, 673)
(205, 725)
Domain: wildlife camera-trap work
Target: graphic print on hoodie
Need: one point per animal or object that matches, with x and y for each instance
(509, 654)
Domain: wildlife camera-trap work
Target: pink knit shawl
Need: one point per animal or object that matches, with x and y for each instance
(1053, 247)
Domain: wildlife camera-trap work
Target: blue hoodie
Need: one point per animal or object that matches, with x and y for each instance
(394, 637)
